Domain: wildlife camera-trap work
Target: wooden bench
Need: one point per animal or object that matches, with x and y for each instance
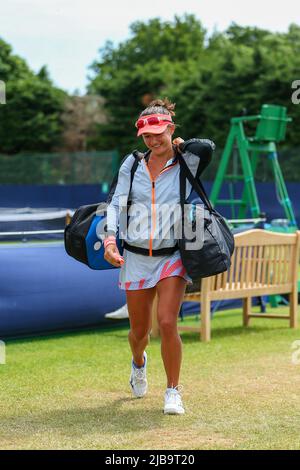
(263, 263)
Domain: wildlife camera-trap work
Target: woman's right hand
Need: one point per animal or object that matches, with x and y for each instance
(178, 141)
(112, 255)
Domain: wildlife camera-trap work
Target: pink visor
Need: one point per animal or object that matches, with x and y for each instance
(153, 124)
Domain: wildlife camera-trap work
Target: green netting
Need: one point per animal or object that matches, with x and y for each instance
(288, 158)
(59, 168)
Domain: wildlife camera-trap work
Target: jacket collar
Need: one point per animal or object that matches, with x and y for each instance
(172, 160)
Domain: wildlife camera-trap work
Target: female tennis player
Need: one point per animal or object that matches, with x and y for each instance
(151, 262)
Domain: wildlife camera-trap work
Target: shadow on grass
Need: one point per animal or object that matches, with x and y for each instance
(119, 328)
(115, 417)
(121, 325)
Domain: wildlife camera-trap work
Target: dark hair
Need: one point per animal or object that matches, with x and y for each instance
(159, 107)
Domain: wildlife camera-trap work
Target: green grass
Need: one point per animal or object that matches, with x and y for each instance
(241, 391)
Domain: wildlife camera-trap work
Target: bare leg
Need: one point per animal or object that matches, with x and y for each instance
(139, 308)
(170, 296)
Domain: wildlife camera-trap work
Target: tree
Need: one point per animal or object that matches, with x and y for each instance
(12, 67)
(142, 67)
(31, 118)
(210, 79)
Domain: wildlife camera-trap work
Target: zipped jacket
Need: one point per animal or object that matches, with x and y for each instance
(154, 204)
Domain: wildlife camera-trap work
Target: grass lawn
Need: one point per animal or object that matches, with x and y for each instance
(241, 391)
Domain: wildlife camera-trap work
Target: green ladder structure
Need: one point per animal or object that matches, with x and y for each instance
(270, 130)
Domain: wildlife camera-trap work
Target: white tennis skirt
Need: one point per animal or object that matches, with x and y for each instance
(143, 272)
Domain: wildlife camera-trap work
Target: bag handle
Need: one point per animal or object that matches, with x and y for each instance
(196, 184)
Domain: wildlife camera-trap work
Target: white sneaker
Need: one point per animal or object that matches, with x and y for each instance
(173, 403)
(138, 379)
(119, 314)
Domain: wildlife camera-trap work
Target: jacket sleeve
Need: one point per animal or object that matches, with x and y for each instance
(202, 148)
(118, 196)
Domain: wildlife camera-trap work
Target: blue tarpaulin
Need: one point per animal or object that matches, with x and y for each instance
(73, 196)
(43, 290)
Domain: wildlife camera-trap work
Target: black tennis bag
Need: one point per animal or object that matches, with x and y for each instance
(214, 257)
(85, 234)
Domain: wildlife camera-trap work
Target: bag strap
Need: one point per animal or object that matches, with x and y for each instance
(138, 157)
(196, 184)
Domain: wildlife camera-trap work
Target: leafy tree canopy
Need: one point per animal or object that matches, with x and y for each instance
(211, 78)
(31, 118)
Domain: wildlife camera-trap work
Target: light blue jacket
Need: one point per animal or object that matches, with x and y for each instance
(155, 204)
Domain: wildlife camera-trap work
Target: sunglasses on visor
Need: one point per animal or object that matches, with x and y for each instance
(151, 121)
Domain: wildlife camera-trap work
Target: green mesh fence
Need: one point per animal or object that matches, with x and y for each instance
(289, 159)
(100, 167)
(59, 168)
